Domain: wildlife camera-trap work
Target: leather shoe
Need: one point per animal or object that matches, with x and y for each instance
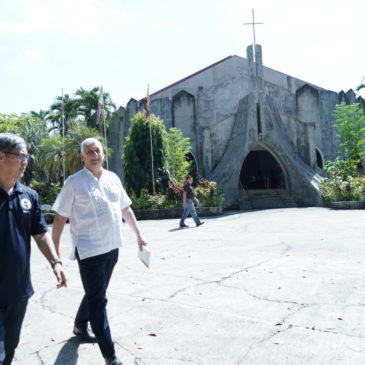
(183, 226)
(199, 224)
(85, 334)
(112, 361)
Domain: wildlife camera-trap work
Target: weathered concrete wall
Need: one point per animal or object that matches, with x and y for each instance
(183, 116)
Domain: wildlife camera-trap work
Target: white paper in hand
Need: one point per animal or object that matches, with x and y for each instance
(144, 256)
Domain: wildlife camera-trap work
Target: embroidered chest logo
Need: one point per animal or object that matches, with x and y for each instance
(25, 204)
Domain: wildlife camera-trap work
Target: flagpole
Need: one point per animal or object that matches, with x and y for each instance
(63, 141)
(106, 140)
(152, 162)
(100, 116)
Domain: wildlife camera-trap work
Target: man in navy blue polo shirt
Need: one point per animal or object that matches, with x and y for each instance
(20, 218)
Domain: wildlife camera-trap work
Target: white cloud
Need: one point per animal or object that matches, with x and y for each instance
(79, 18)
(34, 55)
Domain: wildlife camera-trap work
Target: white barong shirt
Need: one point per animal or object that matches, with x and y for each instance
(93, 207)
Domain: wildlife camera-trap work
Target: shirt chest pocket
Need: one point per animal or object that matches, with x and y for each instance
(112, 193)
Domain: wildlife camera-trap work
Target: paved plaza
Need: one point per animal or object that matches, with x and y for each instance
(281, 286)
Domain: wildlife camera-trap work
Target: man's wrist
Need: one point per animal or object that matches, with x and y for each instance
(55, 262)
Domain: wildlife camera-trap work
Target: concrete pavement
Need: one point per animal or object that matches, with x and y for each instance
(283, 286)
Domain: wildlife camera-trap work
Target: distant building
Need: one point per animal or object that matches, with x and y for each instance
(261, 134)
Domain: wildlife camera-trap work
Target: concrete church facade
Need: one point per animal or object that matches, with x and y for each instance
(261, 134)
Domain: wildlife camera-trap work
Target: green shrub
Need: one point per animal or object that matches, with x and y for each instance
(342, 182)
(47, 191)
(209, 193)
(341, 189)
(158, 201)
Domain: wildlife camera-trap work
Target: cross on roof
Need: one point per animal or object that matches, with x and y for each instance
(254, 36)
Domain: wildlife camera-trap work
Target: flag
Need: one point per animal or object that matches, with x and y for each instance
(100, 106)
(147, 102)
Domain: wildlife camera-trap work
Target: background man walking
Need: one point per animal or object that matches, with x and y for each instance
(188, 203)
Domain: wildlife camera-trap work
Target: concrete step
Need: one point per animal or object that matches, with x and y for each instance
(265, 199)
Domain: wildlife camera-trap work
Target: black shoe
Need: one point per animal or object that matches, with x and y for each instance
(183, 226)
(85, 334)
(112, 361)
(199, 224)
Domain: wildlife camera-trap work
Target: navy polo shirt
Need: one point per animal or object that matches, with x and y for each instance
(20, 218)
(189, 191)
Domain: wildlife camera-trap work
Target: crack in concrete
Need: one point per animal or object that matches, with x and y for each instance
(256, 343)
(40, 357)
(137, 359)
(44, 306)
(230, 276)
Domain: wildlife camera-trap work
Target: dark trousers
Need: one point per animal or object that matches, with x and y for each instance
(95, 274)
(11, 319)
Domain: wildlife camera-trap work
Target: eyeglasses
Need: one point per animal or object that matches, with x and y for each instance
(20, 156)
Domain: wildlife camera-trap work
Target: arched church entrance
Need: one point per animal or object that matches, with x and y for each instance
(262, 182)
(260, 170)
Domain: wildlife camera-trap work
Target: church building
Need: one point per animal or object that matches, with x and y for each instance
(260, 134)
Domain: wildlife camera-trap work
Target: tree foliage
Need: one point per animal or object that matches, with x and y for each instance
(87, 105)
(350, 126)
(50, 157)
(177, 149)
(32, 129)
(137, 159)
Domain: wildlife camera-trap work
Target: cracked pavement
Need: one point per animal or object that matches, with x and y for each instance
(282, 286)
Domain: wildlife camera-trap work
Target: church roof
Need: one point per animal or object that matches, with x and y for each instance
(190, 76)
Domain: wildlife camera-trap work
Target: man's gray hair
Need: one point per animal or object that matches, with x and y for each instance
(88, 142)
(10, 141)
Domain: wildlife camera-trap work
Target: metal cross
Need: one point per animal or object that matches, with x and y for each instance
(254, 36)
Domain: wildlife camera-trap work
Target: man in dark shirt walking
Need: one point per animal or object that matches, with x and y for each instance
(20, 218)
(188, 204)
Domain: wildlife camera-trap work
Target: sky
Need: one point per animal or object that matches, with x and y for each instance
(47, 46)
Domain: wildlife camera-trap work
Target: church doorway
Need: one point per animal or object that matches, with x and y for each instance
(260, 170)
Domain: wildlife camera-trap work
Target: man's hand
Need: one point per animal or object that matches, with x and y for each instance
(60, 275)
(141, 242)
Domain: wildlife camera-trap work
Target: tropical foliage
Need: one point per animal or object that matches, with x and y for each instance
(170, 151)
(350, 126)
(137, 157)
(208, 193)
(177, 149)
(343, 180)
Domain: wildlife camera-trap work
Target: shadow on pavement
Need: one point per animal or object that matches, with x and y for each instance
(68, 354)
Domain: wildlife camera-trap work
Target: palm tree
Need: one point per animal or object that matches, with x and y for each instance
(33, 130)
(88, 104)
(70, 113)
(50, 157)
(42, 115)
(78, 133)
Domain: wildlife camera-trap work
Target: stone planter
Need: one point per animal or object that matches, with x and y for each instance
(346, 205)
(174, 212)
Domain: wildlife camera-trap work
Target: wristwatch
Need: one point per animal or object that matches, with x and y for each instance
(55, 261)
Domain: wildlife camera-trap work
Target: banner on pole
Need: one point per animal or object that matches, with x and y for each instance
(100, 106)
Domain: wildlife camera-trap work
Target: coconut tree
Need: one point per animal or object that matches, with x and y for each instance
(70, 112)
(78, 132)
(50, 157)
(88, 104)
